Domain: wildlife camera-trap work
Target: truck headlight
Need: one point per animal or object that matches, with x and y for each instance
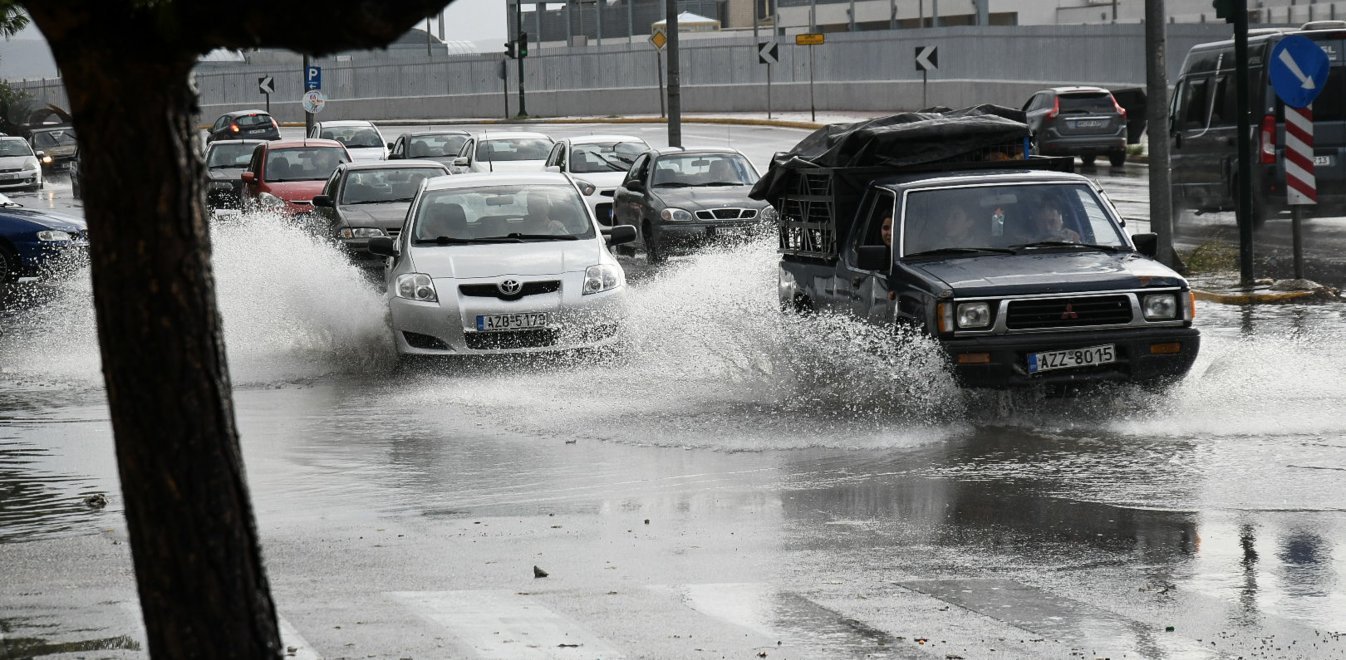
(269, 201)
(416, 286)
(53, 236)
(1160, 306)
(974, 315)
(672, 214)
(360, 232)
(601, 278)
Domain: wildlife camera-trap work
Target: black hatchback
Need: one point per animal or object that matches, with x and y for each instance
(1078, 121)
(244, 125)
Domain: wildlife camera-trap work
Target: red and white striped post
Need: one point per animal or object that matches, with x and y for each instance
(1301, 186)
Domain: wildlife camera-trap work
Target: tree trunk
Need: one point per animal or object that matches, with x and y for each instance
(203, 587)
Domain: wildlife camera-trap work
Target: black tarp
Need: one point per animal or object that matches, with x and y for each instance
(905, 140)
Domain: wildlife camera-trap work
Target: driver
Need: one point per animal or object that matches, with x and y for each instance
(1048, 224)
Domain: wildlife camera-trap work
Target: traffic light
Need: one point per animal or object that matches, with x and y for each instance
(523, 44)
(1224, 9)
(509, 49)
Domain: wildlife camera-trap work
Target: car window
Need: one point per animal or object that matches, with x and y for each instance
(253, 121)
(639, 169)
(434, 146)
(1223, 109)
(229, 154)
(49, 139)
(1088, 103)
(538, 212)
(303, 164)
(513, 149)
(354, 137)
(604, 157)
(10, 148)
(384, 185)
(1196, 95)
(691, 169)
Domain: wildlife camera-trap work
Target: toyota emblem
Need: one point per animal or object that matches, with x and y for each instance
(510, 287)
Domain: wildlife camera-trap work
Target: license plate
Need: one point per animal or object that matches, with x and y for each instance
(1091, 123)
(1069, 359)
(1322, 161)
(504, 322)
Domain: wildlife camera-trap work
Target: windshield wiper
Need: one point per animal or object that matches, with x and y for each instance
(449, 240)
(544, 237)
(673, 184)
(725, 183)
(961, 250)
(1092, 246)
(375, 201)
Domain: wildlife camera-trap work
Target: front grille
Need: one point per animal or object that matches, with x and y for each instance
(490, 341)
(726, 214)
(11, 171)
(1068, 312)
(492, 291)
(394, 232)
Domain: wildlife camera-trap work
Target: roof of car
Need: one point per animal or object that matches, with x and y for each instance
(302, 142)
(1079, 89)
(346, 122)
(44, 128)
(496, 179)
(502, 135)
(602, 139)
(438, 131)
(392, 164)
(967, 177)
(664, 151)
(216, 143)
(240, 113)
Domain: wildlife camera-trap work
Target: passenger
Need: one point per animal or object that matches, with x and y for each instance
(886, 231)
(959, 229)
(1049, 226)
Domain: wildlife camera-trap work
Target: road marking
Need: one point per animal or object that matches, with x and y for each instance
(499, 624)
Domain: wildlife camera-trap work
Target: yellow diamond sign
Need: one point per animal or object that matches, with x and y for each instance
(659, 39)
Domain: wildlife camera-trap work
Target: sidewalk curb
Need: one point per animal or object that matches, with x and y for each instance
(1253, 298)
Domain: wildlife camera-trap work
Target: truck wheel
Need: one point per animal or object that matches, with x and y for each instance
(1117, 158)
(1088, 160)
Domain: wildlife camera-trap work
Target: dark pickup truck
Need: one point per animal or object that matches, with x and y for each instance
(1020, 268)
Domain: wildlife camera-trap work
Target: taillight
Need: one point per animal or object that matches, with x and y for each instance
(1056, 108)
(233, 128)
(1120, 110)
(1267, 152)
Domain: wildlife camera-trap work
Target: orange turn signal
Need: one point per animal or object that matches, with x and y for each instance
(974, 358)
(1166, 349)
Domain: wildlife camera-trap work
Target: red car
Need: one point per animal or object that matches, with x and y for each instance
(284, 175)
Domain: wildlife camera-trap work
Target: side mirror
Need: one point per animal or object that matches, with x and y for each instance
(40, 155)
(1146, 244)
(461, 161)
(382, 246)
(324, 201)
(620, 234)
(390, 145)
(552, 168)
(872, 257)
(248, 177)
(635, 186)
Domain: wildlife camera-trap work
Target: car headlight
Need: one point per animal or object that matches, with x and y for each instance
(53, 235)
(360, 232)
(416, 286)
(601, 278)
(269, 201)
(46, 159)
(769, 214)
(671, 214)
(585, 187)
(1160, 306)
(974, 315)
(31, 164)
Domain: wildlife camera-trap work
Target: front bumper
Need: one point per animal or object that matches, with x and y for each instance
(1008, 366)
(23, 179)
(698, 232)
(448, 327)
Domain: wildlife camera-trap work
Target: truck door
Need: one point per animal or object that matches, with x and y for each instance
(862, 292)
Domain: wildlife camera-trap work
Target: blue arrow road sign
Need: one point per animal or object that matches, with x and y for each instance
(1298, 70)
(313, 78)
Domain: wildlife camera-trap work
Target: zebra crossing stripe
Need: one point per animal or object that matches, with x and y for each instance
(504, 624)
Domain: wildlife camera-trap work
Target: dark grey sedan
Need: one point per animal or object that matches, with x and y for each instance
(367, 200)
(681, 198)
(225, 162)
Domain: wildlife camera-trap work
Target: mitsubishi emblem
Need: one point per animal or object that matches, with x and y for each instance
(1070, 314)
(510, 287)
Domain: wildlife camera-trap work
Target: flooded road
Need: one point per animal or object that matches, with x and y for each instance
(725, 482)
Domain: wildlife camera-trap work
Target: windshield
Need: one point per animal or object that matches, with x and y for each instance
(435, 146)
(999, 217)
(14, 147)
(604, 157)
(354, 137)
(684, 170)
(229, 154)
(379, 186)
(254, 120)
(502, 213)
(1087, 103)
(511, 149)
(306, 164)
(48, 139)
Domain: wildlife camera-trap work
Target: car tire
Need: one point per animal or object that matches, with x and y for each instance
(1117, 158)
(1088, 160)
(654, 252)
(9, 266)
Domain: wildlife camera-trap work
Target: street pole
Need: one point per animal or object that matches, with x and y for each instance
(1245, 175)
(1297, 226)
(813, 109)
(674, 78)
(504, 85)
(659, 68)
(518, 43)
(308, 116)
(1156, 115)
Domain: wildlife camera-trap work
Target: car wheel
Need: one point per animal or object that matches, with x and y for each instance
(9, 266)
(654, 253)
(1088, 160)
(1117, 158)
